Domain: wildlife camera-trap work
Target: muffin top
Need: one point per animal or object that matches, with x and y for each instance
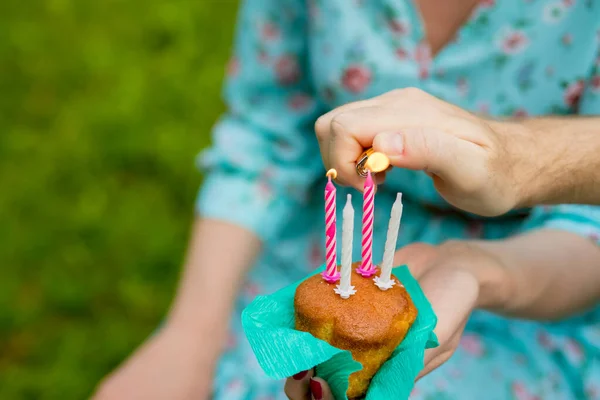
(369, 317)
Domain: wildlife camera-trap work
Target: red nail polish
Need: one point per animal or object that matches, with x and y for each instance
(316, 389)
(300, 375)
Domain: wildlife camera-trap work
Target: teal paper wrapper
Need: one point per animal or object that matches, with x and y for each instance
(283, 351)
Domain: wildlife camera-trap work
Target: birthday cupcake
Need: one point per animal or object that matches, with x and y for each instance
(367, 316)
(370, 324)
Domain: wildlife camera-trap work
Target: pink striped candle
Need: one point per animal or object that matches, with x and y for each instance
(331, 273)
(367, 268)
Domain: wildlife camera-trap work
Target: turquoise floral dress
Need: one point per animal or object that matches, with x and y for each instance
(295, 60)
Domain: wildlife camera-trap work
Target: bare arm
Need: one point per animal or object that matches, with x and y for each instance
(177, 362)
(550, 274)
(218, 256)
(557, 159)
(483, 166)
(543, 275)
(257, 172)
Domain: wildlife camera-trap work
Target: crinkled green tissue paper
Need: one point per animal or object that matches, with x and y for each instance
(283, 351)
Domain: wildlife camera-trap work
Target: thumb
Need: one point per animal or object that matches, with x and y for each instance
(319, 389)
(453, 294)
(435, 152)
(417, 256)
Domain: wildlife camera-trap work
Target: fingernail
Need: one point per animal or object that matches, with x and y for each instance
(315, 389)
(391, 143)
(300, 375)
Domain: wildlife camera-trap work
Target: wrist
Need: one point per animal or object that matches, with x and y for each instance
(545, 171)
(519, 164)
(494, 280)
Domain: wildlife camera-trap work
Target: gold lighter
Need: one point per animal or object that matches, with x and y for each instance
(373, 161)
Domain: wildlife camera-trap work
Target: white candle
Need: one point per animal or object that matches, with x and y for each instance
(344, 289)
(384, 280)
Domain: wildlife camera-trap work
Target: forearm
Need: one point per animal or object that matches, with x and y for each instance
(549, 274)
(554, 159)
(218, 256)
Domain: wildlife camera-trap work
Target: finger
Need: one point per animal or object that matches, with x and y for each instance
(417, 256)
(348, 135)
(447, 346)
(323, 127)
(379, 116)
(397, 109)
(439, 355)
(324, 121)
(297, 387)
(458, 162)
(452, 294)
(433, 363)
(320, 389)
(344, 148)
(380, 178)
(351, 131)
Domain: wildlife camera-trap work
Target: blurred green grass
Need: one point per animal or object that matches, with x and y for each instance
(103, 108)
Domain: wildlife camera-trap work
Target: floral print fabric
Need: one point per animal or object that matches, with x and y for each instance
(297, 59)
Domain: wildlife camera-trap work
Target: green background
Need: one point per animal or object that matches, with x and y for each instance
(103, 107)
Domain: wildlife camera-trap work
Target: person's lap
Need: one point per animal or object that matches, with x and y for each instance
(497, 359)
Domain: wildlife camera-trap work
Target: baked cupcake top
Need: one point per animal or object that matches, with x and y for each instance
(369, 317)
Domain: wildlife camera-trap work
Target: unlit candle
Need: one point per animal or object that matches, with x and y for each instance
(345, 289)
(384, 280)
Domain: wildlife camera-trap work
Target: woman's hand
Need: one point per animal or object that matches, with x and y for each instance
(456, 277)
(453, 276)
(170, 365)
(305, 386)
(475, 164)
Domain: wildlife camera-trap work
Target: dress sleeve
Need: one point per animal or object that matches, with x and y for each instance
(580, 219)
(264, 157)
